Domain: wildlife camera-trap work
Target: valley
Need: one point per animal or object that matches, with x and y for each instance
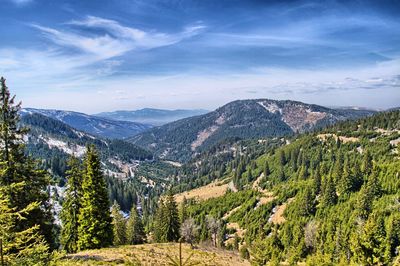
(255, 181)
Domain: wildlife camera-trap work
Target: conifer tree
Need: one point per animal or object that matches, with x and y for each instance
(119, 225)
(266, 170)
(26, 247)
(71, 206)
(134, 228)
(183, 215)
(367, 163)
(18, 168)
(346, 182)
(329, 196)
(159, 223)
(172, 224)
(95, 228)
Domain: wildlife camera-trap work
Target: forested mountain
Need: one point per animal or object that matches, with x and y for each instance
(129, 169)
(93, 125)
(244, 119)
(54, 141)
(326, 198)
(152, 116)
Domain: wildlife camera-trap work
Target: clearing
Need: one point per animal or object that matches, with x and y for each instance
(277, 216)
(212, 190)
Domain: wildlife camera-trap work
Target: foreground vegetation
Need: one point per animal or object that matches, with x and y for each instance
(153, 254)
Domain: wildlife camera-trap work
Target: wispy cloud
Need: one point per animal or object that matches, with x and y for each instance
(21, 2)
(82, 51)
(116, 39)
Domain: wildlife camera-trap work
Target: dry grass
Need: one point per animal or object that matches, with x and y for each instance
(228, 214)
(343, 139)
(239, 231)
(213, 190)
(267, 197)
(277, 217)
(153, 254)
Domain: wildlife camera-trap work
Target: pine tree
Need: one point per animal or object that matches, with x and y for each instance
(18, 168)
(183, 215)
(26, 247)
(159, 223)
(266, 170)
(172, 224)
(367, 163)
(71, 206)
(329, 196)
(346, 182)
(119, 225)
(134, 228)
(95, 228)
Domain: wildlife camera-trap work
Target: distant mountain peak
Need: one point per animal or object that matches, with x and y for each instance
(243, 119)
(152, 116)
(104, 127)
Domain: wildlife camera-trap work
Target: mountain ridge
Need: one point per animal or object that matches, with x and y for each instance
(94, 125)
(152, 116)
(241, 119)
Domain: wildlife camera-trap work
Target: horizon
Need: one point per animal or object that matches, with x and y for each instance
(128, 55)
(208, 110)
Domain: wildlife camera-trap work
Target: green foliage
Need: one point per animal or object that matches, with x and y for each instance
(26, 222)
(95, 228)
(167, 225)
(71, 206)
(134, 228)
(119, 225)
(342, 197)
(22, 247)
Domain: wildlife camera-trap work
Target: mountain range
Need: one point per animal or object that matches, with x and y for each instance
(54, 141)
(152, 116)
(93, 125)
(242, 119)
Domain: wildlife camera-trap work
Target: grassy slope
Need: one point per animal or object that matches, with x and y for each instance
(152, 254)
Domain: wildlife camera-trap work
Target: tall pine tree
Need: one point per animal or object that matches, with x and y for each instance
(172, 224)
(167, 225)
(134, 228)
(18, 168)
(95, 228)
(119, 225)
(71, 206)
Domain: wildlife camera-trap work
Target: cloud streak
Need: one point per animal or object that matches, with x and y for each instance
(116, 39)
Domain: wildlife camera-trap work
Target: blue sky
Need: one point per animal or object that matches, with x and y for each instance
(103, 55)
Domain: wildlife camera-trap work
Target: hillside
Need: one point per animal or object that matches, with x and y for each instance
(152, 116)
(93, 125)
(48, 137)
(129, 169)
(154, 254)
(242, 119)
(326, 198)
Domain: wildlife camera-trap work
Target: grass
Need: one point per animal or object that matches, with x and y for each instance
(212, 190)
(153, 254)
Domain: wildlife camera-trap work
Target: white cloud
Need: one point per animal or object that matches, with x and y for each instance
(117, 39)
(21, 2)
(76, 59)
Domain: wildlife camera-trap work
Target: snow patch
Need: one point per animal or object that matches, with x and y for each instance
(71, 149)
(271, 107)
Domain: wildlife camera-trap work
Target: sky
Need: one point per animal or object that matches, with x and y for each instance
(106, 55)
